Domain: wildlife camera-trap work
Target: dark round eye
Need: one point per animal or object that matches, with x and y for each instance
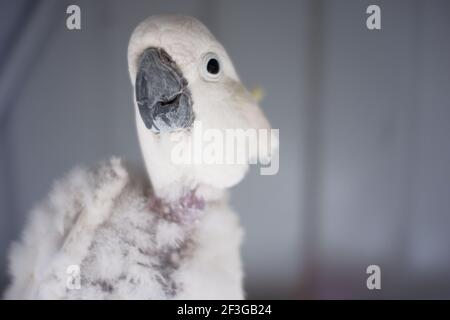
(210, 69)
(213, 66)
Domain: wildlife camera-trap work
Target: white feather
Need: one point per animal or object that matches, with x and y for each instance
(100, 221)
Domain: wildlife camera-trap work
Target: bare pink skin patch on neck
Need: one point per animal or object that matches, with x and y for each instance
(185, 210)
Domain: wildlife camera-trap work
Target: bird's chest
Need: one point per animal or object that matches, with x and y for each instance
(138, 255)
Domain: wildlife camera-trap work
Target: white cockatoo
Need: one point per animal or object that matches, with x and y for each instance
(111, 234)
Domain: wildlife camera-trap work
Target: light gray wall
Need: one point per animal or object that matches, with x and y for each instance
(384, 177)
(364, 127)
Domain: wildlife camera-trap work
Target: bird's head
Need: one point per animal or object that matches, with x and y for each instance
(180, 75)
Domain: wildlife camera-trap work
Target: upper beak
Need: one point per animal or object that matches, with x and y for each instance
(162, 96)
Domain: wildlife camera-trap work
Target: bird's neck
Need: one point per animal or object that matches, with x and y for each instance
(187, 209)
(184, 204)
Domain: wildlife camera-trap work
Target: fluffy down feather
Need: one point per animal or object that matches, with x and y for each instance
(101, 221)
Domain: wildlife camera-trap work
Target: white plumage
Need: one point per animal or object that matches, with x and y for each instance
(173, 238)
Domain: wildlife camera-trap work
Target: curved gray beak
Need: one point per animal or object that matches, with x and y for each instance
(162, 96)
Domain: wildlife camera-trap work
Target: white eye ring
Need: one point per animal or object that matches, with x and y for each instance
(211, 68)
